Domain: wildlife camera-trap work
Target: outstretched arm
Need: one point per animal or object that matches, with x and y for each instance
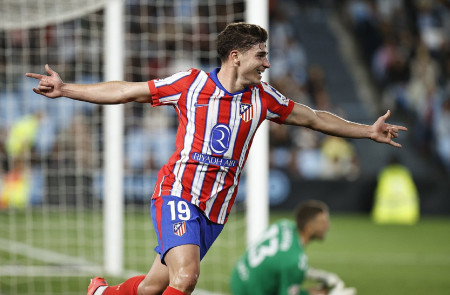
(114, 92)
(328, 123)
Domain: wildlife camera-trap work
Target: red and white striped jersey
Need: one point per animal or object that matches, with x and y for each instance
(214, 136)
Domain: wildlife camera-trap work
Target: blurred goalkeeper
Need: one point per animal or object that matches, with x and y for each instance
(218, 114)
(277, 263)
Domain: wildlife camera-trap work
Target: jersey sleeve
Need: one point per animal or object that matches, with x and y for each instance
(168, 91)
(278, 106)
(291, 277)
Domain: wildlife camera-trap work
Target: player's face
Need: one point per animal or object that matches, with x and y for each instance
(320, 226)
(253, 63)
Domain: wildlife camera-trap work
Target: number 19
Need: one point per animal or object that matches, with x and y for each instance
(182, 209)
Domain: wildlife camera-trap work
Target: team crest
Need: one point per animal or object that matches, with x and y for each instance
(179, 228)
(246, 111)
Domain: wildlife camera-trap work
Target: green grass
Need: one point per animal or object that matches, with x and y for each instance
(387, 259)
(376, 259)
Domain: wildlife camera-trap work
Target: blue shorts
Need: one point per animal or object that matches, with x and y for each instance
(179, 222)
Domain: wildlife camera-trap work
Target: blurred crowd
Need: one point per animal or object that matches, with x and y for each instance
(51, 150)
(405, 45)
(304, 153)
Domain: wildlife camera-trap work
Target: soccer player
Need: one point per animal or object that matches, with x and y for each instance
(277, 263)
(218, 114)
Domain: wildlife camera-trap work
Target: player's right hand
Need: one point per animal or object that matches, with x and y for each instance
(332, 280)
(49, 86)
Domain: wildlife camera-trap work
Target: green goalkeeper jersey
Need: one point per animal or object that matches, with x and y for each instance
(275, 264)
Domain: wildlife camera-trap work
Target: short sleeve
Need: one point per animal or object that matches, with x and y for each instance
(278, 106)
(168, 91)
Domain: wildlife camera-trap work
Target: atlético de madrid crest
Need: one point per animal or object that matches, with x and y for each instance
(246, 112)
(179, 228)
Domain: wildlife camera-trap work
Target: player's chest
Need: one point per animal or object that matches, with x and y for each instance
(241, 110)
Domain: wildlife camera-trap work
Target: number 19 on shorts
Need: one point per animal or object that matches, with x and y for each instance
(179, 210)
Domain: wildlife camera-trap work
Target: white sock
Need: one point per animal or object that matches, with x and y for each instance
(100, 290)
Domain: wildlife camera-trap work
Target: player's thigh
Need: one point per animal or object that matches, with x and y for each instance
(183, 260)
(156, 280)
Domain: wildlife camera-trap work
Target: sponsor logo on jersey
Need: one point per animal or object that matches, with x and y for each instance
(179, 228)
(220, 139)
(246, 111)
(211, 160)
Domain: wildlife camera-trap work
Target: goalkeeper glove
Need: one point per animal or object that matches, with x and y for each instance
(342, 291)
(329, 279)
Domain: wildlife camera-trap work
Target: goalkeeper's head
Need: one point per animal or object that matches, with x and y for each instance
(313, 220)
(239, 36)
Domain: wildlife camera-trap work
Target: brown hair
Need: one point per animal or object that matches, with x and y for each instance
(239, 36)
(307, 211)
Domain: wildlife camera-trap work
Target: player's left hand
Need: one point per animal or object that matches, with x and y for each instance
(384, 132)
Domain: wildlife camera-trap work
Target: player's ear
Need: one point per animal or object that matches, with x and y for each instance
(234, 55)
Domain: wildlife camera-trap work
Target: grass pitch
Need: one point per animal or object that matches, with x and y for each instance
(376, 259)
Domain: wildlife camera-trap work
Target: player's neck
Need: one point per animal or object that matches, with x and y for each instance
(229, 78)
(304, 239)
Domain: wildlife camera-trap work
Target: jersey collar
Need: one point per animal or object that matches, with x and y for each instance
(213, 75)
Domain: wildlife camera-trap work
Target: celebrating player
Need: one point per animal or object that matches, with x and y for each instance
(218, 114)
(277, 264)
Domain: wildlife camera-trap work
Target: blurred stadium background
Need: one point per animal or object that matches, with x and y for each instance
(356, 58)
